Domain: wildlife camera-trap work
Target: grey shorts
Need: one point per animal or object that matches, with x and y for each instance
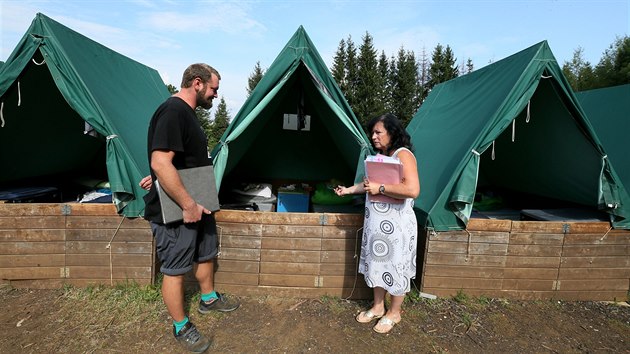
(180, 245)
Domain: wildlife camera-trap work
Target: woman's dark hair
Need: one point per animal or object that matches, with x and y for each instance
(398, 135)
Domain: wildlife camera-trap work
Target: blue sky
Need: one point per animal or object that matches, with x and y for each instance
(232, 36)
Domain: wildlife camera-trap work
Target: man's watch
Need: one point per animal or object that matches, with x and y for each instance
(381, 189)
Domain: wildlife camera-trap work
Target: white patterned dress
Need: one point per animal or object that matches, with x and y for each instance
(389, 246)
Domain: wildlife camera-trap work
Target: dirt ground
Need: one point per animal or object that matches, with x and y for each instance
(119, 321)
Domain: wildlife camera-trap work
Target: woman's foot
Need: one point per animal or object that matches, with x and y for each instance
(368, 316)
(386, 323)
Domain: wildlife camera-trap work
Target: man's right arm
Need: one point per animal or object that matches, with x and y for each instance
(166, 174)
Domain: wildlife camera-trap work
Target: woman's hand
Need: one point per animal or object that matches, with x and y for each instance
(341, 191)
(371, 188)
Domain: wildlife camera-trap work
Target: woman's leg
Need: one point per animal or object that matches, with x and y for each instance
(378, 307)
(394, 311)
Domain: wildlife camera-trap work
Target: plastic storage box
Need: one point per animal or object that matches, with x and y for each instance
(293, 201)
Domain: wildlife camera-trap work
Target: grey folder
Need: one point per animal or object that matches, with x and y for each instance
(200, 184)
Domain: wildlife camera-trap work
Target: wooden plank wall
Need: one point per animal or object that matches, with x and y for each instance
(313, 254)
(49, 245)
(290, 254)
(529, 260)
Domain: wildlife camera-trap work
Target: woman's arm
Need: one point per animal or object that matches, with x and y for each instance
(410, 185)
(355, 189)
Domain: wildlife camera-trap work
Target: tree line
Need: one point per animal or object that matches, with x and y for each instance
(613, 68)
(374, 83)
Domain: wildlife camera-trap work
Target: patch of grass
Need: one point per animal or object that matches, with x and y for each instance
(414, 296)
(466, 319)
(484, 300)
(128, 299)
(461, 297)
(334, 303)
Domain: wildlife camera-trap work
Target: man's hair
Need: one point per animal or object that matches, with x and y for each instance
(198, 70)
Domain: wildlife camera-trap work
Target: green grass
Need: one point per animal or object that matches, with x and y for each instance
(126, 300)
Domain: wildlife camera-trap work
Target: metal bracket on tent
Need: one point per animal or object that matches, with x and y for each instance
(66, 209)
(565, 228)
(323, 219)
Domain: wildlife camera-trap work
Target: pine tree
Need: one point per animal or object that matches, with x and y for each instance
(579, 72)
(614, 67)
(423, 80)
(219, 124)
(469, 66)
(338, 70)
(203, 116)
(369, 87)
(443, 66)
(406, 93)
(254, 78)
(383, 68)
(352, 75)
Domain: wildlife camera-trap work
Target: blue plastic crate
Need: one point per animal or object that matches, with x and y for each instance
(293, 202)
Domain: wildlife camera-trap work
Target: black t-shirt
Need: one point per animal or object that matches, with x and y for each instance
(175, 127)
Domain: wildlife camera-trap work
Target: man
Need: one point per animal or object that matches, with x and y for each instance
(177, 141)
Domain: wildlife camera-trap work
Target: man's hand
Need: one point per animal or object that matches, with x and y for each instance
(146, 182)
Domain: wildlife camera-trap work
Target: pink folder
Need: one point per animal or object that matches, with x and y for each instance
(382, 172)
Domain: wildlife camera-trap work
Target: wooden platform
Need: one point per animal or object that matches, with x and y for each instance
(49, 245)
(291, 254)
(529, 260)
(313, 254)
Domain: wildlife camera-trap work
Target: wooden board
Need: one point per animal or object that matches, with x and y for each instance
(534, 260)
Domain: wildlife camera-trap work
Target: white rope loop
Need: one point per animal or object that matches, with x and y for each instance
(513, 130)
(528, 116)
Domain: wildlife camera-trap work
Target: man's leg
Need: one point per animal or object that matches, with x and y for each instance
(204, 269)
(173, 295)
(204, 272)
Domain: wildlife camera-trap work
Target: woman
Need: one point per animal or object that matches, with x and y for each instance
(388, 250)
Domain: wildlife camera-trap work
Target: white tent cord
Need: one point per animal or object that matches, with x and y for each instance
(109, 247)
(220, 238)
(513, 130)
(546, 77)
(468, 247)
(603, 237)
(356, 256)
(2, 114)
(19, 94)
(528, 116)
(36, 63)
(493, 150)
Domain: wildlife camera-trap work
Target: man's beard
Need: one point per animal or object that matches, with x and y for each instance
(202, 101)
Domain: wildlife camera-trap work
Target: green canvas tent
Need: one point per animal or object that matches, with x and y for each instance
(56, 87)
(514, 126)
(265, 141)
(608, 109)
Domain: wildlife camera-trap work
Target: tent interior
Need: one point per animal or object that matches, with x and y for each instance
(45, 143)
(544, 163)
(267, 152)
